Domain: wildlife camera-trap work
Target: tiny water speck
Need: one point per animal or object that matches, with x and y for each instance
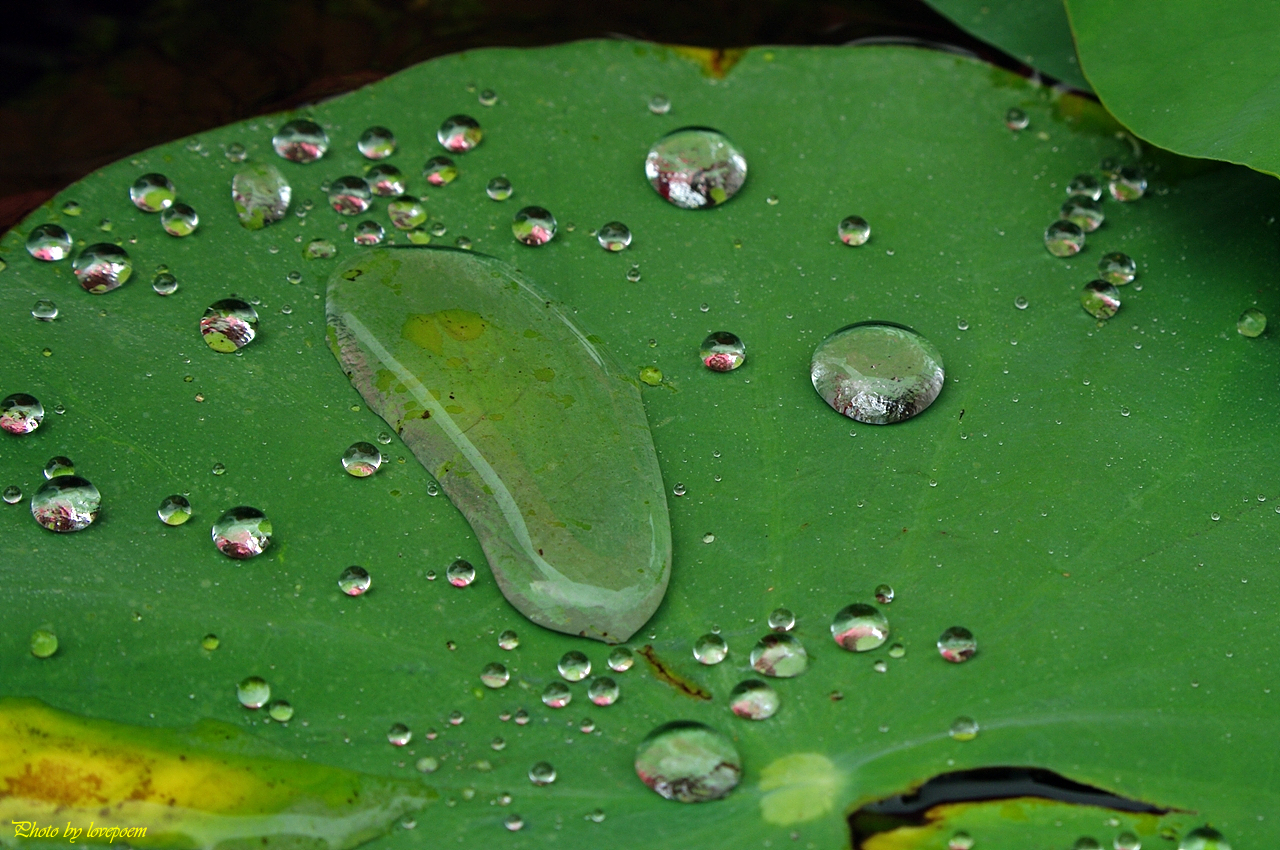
(1015, 119)
(361, 460)
(1215, 516)
(102, 267)
(556, 695)
(782, 620)
(603, 691)
(542, 773)
(710, 649)
(229, 325)
(210, 642)
(494, 675)
(1085, 186)
(43, 643)
(1127, 184)
(957, 644)
(385, 181)
(354, 581)
(1083, 212)
(508, 640)
(884, 594)
(1252, 323)
(376, 143)
(179, 220)
(280, 711)
(253, 692)
(460, 133)
(59, 465)
(780, 655)
(963, 729)
(860, 627)
(12, 494)
(1063, 238)
(399, 735)
(574, 666)
(152, 193)
(499, 189)
(1204, 838)
(164, 284)
(722, 351)
(533, 226)
(854, 230)
(1117, 268)
(754, 700)
(45, 311)
(460, 573)
(877, 372)
(659, 104)
(66, 503)
(695, 167)
(242, 532)
(350, 195)
(620, 660)
(689, 762)
(1100, 299)
(300, 141)
(897, 651)
(440, 171)
(455, 717)
(49, 243)
(614, 236)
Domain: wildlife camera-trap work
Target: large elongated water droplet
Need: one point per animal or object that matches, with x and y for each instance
(528, 426)
(261, 195)
(688, 762)
(695, 167)
(66, 503)
(877, 372)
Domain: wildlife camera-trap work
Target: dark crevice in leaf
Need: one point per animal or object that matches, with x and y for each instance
(664, 673)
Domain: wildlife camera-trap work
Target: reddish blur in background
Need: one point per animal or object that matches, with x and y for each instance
(86, 82)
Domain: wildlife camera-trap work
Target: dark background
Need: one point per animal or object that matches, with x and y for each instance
(87, 82)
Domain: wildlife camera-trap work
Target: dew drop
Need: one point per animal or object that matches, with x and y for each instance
(406, 212)
(633, 273)
(164, 284)
(1063, 238)
(860, 627)
(460, 573)
(463, 242)
(1015, 119)
(427, 764)
(1252, 323)
(521, 717)
(960, 841)
(854, 230)
(722, 351)
(964, 729)
(499, 189)
(695, 167)
(508, 640)
(710, 649)
(460, 133)
(47, 311)
(961, 324)
(317, 249)
(152, 193)
(556, 695)
(499, 743)
(1085, 186)
(72, 209)
(754, 700)
(253, 692)
(66, 503)
(438, 229)
(1117, 268)
(1215, 516)
(59, 465)
(48, 243)
(533, 226)
(488, 97)
(1083, 213)
(542, 773)
(300, 140)
(1127, 841)
(235, 152)
(376, 143)
(229, 325)
(261, 196)
(897, 651)
(280, 711)
(210, 642)
(782, 620)
(659, 104)
(1127, 183)
(385, 181)
(679, 489)
(1086, 842)
(399, 735)
(361, 460)
(603, 691)
(218, 468)
(440, 171)
(884, 594)
(242, 532)
(11, 494)
(455, 717)
(43, 643)
(956, 644)
(779, 655)
(621, 659)
(688, 762)
(350, 195)
(877, 372)
(494, 675)
(354, 581)
(102, 267)
(514, 823)
(179, 220)
(614, 236)
(1100, 299)
(574, 666)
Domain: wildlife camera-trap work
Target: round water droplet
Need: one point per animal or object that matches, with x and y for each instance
(439, 229)
(659, 104)
(440, 171)
(957, 644)
(229, 325)
(463, 242)
(1085, 186)
(43, 643)
(369, 233)
(1016, 119)
(722, 351)
(210, 642)
(235, 152)
(754, 700)
(1127, 841)
(695, 167)
(406, 212)
(152, 193)
(361, 459)
(1252, 322)
(72, 209)
(688, 762)
(300, 141)
(499, 189)
(514, 823)
(521, 717)
(1127, 183)
(854, 230)
(533, 226)
(280, 711)
(710, 649)
(884, 594)
(460, 573)
(782, 620)
(460, 133)
(350, 195)
(633, 273)
(877, 372)
(427, 764)
(21, 413)
(1063, 238)
(174, 510)
(779, 655)
(1084, 213)
(48, 242)
(897, 651)
(242, 532)
(102, 267)
(964, 729)
(399, 735)
(960, 841)
(614, 236)
(679, 489)
(59, 466)
(1086, 842)
(859, 627)
(621, 659)
(253, 692)
(179, 220)
(1100, 299)
(1020, 302)
(45, 311)
(376, 143)
(494, 675)
(12, 494)
(455, 717)
(508, 640)
(354, 581)
(574, 666)
(488, 97)
(542, 773)
(556, 695)
(603, 691)
(1117, 268)
(219, 469)
(385, 181)
(66, 503)
(319, 249)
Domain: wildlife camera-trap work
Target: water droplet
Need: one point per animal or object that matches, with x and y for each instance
(956, 644)
(960, 841)
(782, 620)
(961, 324)
(1117, 268)
(350, 195)
(542, 773)
(44, 643)
(384, 438)
(455, 717)
(47, 311)
(440, 171)
(710, 649)
(1215, 516)
(72, 209)
(633, 273)
(508, 640)
(574, 666)
(385, 181)
(219, 469)
(66, 503)
(498, 743)
(253, 692)
(614, 236)
(438, 229)
(722, 352)
(514, 823)
(152, 193)
(1083, 212)
(427, 764)
(754, 700)
(695, 167)
(102, 267)
(603, 691)
(779, 655)
(494, 675)
(587, 726)
(659, 104)
(709, 537)
(433, 489)
(854, 230)
(242, 532)
(533, 226)
(897, 651)
(229, 325)
(488, 97)
(174, 510)
(620, 660)
(300, 141)
(460, 133)
(261, 196)
(963, 729)
(884, 594)
(318, 249)
(1085, 186)
(463, 242)
(1063, 238)
(1252, 322)
(679, 489)
(399, 735)
(48, 242)
(1127, 841)
(354, 581)
(877, 372)
(1127, 184)
(179, 220)
(1124, 411)
(859, 627)
(12, 494)
(376, 143)
(1016, 119)
(59, 466)
(688, 762)
(521, 717)
(1100, 299)
(406, 212)
(280, 711)
(460, 573)
(235, 152)
(361, 459)
(210, 642)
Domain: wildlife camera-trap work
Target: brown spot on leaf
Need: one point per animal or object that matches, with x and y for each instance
(664, 673)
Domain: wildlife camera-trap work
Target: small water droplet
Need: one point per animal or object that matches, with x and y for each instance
(1124, 411)
(179, 220)
(688, 762)
(399, 735)
(406, 212)
(877, 372)
(620, 660)
(376, 143)
(12, 494)
(460, 133)
(533, 226)
(659, 104)
(960, 841)
(508, 640)
(1215, 516)
(574, 666)
(542, 773)
(897, 651)
(1100, 299)
(1063, 238)
(679, 490)
(219, 469)
(427, 764)
(513, 823)
(47, 311)
(499, 189)
(354, 581)
(210, 642)
(709, 537)
(754, 700)
(280, 711)
(488, 97)
(722, 351)
(242, 532)
(43, 643)
(695, 167)
(384, 180)
(498, 743)
(102, 267)
(710, 649)
(633, 273)
(433, 489)
(1127, 183)
(603, 691)
(772, 200)
(463, 242)
(860, 627)
(300, 140)
(494, 675)
(72, 209)
(854, 230)
(1015, 119)
(521, 717)
(1127, 841)
(440, 171)
(614, 236)
(456, 718)
(229, 325)
(1252, 323)
(956, 644)
(361, 459)
(261, 196)
(964, 729)
(49, 243)
(1085, 186)
(1083, 212)
(961, 324)
(253, 692)
(66, 503)
(164, 284)
(779, 655)
(460, 573)
(152, 193)
(1086, 842)
(350, 195)
(438, 228)
(59, 465)
(884, 594)
(782, 620)
(317, 249)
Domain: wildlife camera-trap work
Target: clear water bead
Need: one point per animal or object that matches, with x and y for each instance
(695, 167)
(620, 660)
(1016, 119)
(235, 152)
(280, 711)
(242, 533)
(688, 762)
(318, 249)
(43, 643)
(45, 311)
(1204, 838)
(614, 236)
(179, 220)
(460, 573)
(542, 773)
(385, 181)
(1083, 213)
(508, 640)
(59, 465)
(1252, 323)
(376, 143)
(854, 230)
(1117, 268)
(164, 284)
(361, 459)
(963, 729)
(487, 97)
(21, 413)
(877, 372)
(754, 700)
(710, 649)
(957, 644)
(152, 193)
(261, 196)
(1127, 841)
(533, 226)
(174, 510)
(574, 666)
(300, 140)
(513, 823)
(499, 189)
(556, 695)
(1063, 238)
(229, 325)
(460, 133)
(66, 503)
(603, 691)
(102, 267)
(779, 655)
(354, 581)
(350, 195)
(1100, 299)
(860, 627)
(884, 594)
(1127, 183)
(11, 494)
(440, 171)
(1085, 186)
(399, 735)
(722, 351)
(253, 692)
(48, 243)
(782, 620)
(406, 212)
(494, 675)
(659, 104)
